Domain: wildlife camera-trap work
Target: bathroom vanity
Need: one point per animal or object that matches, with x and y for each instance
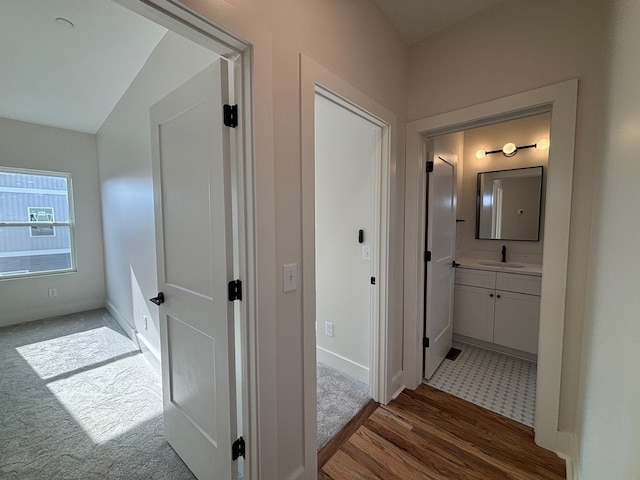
(498, 304)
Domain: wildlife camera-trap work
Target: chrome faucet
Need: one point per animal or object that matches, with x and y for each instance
(504, 254)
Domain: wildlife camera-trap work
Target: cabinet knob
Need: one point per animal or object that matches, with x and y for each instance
(491, 295)
(498, 296)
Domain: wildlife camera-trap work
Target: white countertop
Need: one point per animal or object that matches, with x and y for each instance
(496, 266)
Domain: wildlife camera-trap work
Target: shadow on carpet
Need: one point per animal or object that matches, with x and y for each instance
(340, 398)
(78, 401)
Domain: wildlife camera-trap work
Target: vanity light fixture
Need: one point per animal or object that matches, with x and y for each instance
(510, 149)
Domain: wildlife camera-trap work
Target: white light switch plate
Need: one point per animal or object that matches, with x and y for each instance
(289, 277)
(366, 252)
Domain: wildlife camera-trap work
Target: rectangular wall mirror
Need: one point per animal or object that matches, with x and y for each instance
(509, 204)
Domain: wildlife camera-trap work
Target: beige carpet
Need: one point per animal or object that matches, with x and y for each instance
(78, 401)
(340, 398)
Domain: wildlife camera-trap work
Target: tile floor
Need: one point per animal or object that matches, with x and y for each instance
(497, 382)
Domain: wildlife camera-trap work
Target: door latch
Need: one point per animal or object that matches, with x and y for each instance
(158, 300)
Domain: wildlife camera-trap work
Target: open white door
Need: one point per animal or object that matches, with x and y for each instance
(191, 174)
(440, 246)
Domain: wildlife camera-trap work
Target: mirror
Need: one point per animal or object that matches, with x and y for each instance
(509, 204)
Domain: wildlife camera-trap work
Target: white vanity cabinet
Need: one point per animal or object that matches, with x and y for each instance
(498, 307)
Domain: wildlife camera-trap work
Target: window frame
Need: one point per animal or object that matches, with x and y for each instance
(70, 223)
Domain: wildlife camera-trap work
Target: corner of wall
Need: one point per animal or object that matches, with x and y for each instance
(567, 449)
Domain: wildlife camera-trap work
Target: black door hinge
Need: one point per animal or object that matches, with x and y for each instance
(425, 342)
(427, 256)
(429, 167)
(373, 280)
(237, 449)
(231, 115)
(235, 290)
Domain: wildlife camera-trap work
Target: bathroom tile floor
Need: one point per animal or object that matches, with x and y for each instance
(497, 382)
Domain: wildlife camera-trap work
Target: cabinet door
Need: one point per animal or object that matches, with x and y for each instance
(516, 321)
(473, 312)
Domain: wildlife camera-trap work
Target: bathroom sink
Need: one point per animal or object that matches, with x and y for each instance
(500, 264)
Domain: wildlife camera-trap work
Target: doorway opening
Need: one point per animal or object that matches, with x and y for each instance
(560, 100)
(347, 148)
(498, 242)
(120, 59)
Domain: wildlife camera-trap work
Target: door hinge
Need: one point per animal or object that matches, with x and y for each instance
(425, 342)
(429, 167)
(237, 449)
(427, 256)
(373, 280)
(231, 115)
(235, 290)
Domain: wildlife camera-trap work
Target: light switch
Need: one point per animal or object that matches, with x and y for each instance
(289, 277)
(366, 252)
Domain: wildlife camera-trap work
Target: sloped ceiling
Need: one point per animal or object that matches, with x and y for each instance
(69, 77)
(416, 19)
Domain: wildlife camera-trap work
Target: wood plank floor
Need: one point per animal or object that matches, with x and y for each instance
(429, 434)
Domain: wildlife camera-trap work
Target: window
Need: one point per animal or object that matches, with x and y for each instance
(36, 223)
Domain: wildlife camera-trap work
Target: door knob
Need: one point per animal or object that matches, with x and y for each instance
(158, 300)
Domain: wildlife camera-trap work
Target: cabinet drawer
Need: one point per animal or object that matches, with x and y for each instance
(519, 283)
(475, 278)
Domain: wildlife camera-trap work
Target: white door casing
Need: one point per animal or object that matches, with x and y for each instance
(440, 272)
(561, 99)
(192, 194)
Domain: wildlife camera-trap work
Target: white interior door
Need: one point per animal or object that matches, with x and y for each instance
(440, 240)
(191, 173)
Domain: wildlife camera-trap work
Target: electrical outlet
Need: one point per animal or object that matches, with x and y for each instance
(328, 329)
(144, 318)
(53, 292)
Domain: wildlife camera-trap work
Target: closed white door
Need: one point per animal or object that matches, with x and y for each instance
(191, 173)
(440, 240)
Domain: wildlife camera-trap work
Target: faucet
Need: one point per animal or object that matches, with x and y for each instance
(504, 254)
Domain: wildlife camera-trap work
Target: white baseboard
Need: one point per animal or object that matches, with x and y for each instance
(150, 354)
(357, 371)
(530, 357)
(55, 310)
(124, 324)
(568, 450)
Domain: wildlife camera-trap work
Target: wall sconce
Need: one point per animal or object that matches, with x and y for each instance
(510, 149)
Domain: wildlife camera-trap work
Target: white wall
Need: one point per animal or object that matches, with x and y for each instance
(124, 158)
(345, 157)
(523, 131)
(609, 408)
(26, 145)
(510, 48)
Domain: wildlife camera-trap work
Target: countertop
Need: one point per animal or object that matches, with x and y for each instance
(477, 264)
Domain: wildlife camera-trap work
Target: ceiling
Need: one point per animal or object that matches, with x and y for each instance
(416, 19)
(73, 77)
(69, 77)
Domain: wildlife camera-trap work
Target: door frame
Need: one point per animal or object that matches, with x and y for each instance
(316, 79)
(239, 54)
(561, 100)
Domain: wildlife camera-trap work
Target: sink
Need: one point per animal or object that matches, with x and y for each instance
(500, 264)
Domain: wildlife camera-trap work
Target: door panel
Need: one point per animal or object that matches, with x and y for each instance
(473, 312)
(516, 321)
(195, 263)
(440, 240)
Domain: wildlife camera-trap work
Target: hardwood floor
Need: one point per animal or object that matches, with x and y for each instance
(432, 435)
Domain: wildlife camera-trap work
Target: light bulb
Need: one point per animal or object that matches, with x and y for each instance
(509, 149)
(542, 144)
(481, 154)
